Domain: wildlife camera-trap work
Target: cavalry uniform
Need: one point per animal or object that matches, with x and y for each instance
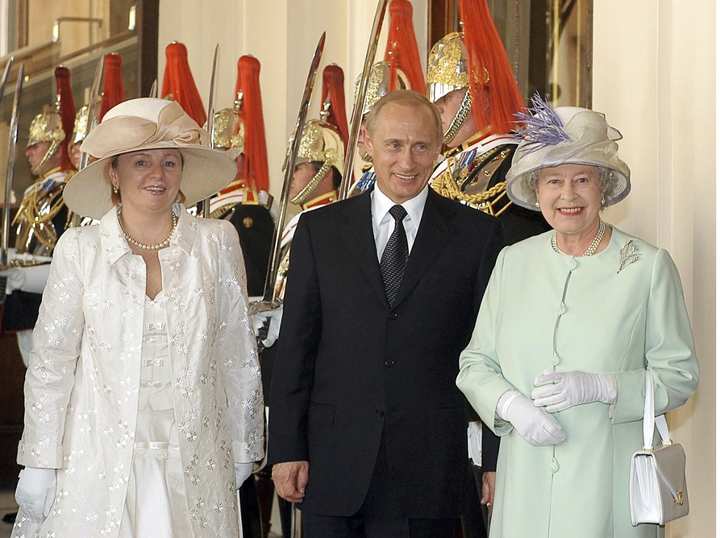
(474, 174)
(42, 215)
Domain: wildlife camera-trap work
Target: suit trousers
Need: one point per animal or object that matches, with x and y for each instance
(378, 516)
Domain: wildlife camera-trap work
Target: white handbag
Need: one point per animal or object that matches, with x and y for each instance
(658, 490)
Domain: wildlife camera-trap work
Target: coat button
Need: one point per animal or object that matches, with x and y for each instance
(393, 315)
(379, 413)
(389, 363)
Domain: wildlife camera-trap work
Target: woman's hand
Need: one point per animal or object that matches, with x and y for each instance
(561, 390)
(535, 425)
(35, 492)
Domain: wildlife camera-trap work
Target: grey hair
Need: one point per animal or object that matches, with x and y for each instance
(608, 183)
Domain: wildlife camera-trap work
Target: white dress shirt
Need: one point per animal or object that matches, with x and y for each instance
(383, 223)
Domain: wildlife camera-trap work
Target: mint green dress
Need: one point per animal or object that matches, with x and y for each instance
(619, 311)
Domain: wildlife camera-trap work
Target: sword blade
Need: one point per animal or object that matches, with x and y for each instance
(93, 105)
(8, 187)
(356, 117)
(210, 125)
(270, 294)
(12, 144)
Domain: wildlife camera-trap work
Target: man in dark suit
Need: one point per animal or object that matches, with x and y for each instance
(368, 430)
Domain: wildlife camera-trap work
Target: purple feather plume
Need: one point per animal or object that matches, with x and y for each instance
(541, 126)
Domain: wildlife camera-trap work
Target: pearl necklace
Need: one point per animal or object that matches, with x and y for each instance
(150, 246)
(593, 246)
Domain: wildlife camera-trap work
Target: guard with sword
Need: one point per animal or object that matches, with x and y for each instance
(42, 215)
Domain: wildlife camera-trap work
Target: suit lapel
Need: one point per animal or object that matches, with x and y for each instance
(360, 241)
(433, 235)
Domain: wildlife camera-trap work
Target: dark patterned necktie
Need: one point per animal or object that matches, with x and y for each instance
(395, 255)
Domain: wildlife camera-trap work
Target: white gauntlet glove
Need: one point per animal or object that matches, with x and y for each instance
(535, 425)
(242, 472)
(266, 326)
(35, 492)
(559, 391)
(31, 279)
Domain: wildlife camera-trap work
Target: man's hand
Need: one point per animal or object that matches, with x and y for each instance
(290, 479)
(488, 491)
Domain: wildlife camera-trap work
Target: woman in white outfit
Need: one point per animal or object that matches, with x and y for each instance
(143, 407)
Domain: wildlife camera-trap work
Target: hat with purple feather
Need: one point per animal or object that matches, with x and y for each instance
(550, 137)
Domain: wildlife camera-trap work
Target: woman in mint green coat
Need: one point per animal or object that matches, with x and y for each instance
(570, 321)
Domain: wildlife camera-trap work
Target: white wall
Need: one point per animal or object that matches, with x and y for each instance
(654, 78)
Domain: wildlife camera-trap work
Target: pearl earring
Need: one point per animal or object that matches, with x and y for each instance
(602, 202)
(115, 189)
(537, 204)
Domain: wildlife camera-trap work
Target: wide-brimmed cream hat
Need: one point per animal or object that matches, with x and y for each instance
(143, 124)
(564, 135)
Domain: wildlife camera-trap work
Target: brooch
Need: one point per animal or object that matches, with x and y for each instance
(628, 254)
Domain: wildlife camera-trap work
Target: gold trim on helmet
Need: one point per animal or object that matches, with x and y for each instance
(227, 121)
(379, 84)
(80, 125)
(319, 142)
(46, 127)
(448, 67)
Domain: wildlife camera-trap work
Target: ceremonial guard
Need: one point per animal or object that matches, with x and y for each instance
(401, 69)
(318, 168)
(42, 216)
(478, 114)
(245, 201)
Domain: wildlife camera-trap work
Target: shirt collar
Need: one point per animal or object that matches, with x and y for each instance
(381, 204)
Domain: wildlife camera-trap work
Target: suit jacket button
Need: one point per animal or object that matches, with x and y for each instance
(389, 363)
(393, 315)
(379, 413)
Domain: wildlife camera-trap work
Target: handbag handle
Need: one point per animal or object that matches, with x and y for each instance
(648, 422)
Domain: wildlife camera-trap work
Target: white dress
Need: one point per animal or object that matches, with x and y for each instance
(159, 506)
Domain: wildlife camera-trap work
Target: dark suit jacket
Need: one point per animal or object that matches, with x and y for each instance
(350, 368)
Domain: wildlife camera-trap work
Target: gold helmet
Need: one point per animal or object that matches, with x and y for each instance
(80, 128)
(229, 129)
(46, 127)
(319, 142)
(52, 124)
(380, 85)
(448, 67)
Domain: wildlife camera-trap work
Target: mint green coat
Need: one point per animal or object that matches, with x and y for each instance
(546, 311)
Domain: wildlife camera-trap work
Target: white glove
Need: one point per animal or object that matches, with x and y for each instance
(31, 279)
(266, 326)
(535, 425)
(35, 492)
(15, 279)
(474, 433)
(242, 472)
(559, 391)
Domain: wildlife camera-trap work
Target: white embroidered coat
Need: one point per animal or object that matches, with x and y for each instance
(81, 389)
